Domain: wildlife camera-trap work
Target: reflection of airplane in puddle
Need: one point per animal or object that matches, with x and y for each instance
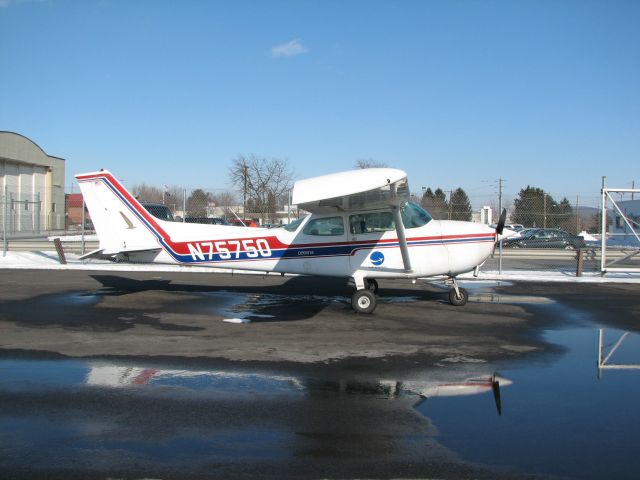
(604, 357)
(361, 227)
(456, 385)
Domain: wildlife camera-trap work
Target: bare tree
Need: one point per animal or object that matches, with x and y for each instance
(369, 163)
(169, 195)
(261, 179)
(147, 193)
(225, 200)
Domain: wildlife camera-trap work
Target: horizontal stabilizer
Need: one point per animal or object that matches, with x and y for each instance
(132, 250)
(93, 254)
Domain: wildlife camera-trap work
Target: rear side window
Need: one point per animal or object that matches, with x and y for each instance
(325, 227)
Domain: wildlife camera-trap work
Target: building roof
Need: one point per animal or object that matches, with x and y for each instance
(18, 148)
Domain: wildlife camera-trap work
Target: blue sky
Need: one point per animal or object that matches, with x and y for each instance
(457, 93)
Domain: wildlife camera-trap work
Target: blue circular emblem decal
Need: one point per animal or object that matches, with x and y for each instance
(377, 258)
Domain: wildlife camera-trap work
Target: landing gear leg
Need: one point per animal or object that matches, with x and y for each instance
(364, 299)
(458, 296)
(372, 285)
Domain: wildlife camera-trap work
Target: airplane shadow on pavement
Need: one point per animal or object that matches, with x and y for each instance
(265, 299)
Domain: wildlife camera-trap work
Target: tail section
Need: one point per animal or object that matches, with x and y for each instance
(122, 224)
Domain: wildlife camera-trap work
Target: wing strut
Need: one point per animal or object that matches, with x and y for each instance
(402, 238)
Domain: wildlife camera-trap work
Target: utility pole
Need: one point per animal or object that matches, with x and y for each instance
(184, 205)
(245, 173)
(603, 226)
(544, 202)
(500, 181)
(577, 216)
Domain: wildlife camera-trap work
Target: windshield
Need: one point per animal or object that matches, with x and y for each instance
(414, 216)
(293, 226)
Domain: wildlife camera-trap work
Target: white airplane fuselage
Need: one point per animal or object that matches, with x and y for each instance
(438, 248)
(129, 231)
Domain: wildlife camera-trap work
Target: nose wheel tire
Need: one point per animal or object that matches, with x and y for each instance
(458, 300)
(364, 301)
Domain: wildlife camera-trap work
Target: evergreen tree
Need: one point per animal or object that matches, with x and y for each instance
(436, 203)
(440, 205)
(427, 199)
(535, 208)
(565, 216)
(460, 206)
(198, 203)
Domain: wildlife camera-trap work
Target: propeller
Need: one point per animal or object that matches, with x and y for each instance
(499, 229)
(495, 387)
(501, 222)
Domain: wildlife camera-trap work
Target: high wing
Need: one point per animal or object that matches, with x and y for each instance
(361, 190)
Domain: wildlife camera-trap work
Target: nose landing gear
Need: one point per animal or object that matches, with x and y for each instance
(458, 296)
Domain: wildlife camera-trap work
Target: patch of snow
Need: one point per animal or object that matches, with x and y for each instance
(236, 320)
(48, 260)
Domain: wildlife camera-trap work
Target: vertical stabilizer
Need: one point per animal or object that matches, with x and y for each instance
(122, 224)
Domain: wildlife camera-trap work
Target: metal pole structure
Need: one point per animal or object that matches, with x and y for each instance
(37, 213)
(600, 342)
(633, 187)
(184, 205)
(544, 201)
(577, 216)
(500, 180)
(603, 227)
(5, 205)
(82, 244)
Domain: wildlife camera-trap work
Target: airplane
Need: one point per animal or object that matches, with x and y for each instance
(450, 383)
(361, 226)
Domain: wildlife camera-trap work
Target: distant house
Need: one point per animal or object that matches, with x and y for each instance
(631, 210)
(73, 209)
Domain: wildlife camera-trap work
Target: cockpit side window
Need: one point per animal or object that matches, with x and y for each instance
(413, 216)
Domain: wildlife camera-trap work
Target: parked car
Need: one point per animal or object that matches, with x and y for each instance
(159, 210)
(545, 238)
(207, 220)
(247, 222)
(516, 227)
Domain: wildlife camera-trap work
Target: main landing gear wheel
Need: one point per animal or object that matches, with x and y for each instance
(364, 301)
(372, 285)
(458, 300)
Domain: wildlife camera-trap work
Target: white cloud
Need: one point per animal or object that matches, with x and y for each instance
(6, 3)
(289, 49)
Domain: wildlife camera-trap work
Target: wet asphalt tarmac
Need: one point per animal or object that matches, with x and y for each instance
(137, 376)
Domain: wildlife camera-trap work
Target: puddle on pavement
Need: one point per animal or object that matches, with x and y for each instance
(574, 416)
(569, 418)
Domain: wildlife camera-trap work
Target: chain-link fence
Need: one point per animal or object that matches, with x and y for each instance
(24, 215)
(546, 235)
